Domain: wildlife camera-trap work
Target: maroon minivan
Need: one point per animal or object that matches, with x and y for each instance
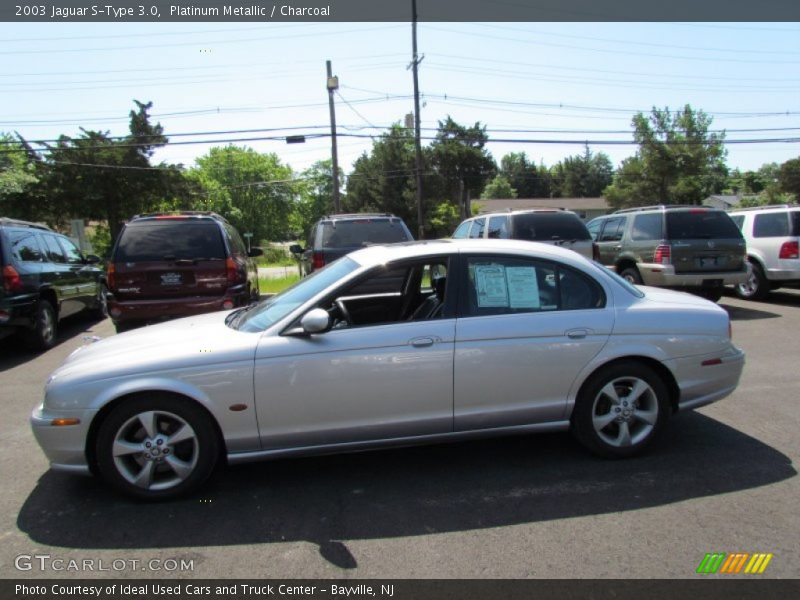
(165, 266)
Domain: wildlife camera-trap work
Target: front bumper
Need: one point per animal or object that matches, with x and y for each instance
(665, 276)
(702, 384)
(64, 445)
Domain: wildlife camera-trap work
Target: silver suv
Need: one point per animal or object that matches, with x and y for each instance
(550, 225)
(772, 234)
(693, 248)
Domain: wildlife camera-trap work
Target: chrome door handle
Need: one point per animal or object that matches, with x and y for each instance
(576, 334)
(422, 342)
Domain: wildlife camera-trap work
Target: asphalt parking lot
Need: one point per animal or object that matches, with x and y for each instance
(722, 479)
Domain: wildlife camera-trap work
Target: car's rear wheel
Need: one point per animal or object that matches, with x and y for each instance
(100, 309)
(631, 275)
(157, 447)
(713, 294)
(620, 410)
(756, 287)
(45, 327)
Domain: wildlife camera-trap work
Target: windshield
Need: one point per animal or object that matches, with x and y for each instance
(272, 310)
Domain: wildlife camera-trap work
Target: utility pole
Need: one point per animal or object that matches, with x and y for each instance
(417, 144)
(333, 84)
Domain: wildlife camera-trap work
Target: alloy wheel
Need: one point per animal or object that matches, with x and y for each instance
(625, 412)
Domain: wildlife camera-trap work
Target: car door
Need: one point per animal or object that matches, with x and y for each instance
(526, 328)
(84, 277)
(609, 240)
(356, 383)
(59, 276)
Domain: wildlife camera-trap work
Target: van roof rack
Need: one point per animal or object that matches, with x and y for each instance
(763, 206)
(21, 223)
(661, 207)
(180, 213)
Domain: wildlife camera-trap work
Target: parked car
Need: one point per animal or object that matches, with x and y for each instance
(772, 234)
(390, 345)
(45, 278)
(336, 235)
(692, 248)
(177, 264)
(549, 225)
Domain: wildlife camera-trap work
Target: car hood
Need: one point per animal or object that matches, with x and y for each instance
(188, 342)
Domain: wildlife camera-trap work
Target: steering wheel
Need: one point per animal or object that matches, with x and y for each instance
(343, 312)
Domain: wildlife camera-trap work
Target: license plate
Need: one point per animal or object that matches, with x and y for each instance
(708, 262)
(171, 279)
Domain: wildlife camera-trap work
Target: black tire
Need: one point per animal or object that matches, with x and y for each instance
(643, 422)
(632, 275)
(45, 328)
(197, 456)
(122, 327)
(712, 294)
(757, 286)
(100, 310)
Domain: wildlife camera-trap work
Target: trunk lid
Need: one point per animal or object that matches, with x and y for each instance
(704, 241)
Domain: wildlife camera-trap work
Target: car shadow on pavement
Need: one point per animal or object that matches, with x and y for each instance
(13, 351)
(740, 313)
(406, 492)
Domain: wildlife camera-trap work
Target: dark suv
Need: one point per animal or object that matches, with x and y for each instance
(45, 278)
(174, 265)
(694, 248)
(337, 235)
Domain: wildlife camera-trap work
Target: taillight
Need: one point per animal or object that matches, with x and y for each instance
(595, 252)
(111, 276)
(663, 255)
(317, 260)
(230, 266)
(789, 250)
(11, 279)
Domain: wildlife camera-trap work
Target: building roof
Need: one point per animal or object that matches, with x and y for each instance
(576, 204)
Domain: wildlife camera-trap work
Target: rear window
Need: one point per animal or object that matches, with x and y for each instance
(543, 227)
(362, 232)
(170, 240)
(24, 247)
(700, 225)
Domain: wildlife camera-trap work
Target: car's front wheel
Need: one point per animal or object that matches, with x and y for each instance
(157, 446)
(620, 410)
(631, 275)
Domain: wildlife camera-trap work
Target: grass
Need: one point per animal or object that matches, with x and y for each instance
(273, 286)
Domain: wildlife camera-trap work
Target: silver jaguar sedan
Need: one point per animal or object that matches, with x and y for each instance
(391, 345)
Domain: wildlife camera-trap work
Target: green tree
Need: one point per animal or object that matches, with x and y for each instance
(789, 177)
(461, 161)
(499, 187)
(678, 161)
(315, 196)
(529, 180)
(582, 176)
(17, 180)
(254, 191)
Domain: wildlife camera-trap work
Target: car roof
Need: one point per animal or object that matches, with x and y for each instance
(526, 211)
(8, 222)
(773, 207)
(377, 254)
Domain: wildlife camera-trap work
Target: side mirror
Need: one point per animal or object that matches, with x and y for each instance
(296, 249)
(92, 259)
(316, 320)
(255, 251)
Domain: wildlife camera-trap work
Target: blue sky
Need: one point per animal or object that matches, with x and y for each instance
(575, 81)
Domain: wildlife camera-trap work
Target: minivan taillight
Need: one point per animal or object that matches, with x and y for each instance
(595, 252)
(111, 276)
(789, 250)
(317, 260)
(663, 255)
(232, 271)
(11, 279)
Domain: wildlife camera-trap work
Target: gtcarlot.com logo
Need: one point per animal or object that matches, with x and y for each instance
(46, 562)
(734, 563)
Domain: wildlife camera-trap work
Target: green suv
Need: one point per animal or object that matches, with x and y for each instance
(693, 248)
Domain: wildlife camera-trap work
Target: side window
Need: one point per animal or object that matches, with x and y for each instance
(499, 286)
(771, 225)
(387, 281)
(73, 255)
(498, 227)
(236, 241)
(594, 227)
(478, 226)
(24, 247)
(612, 232)
(739, 220)
(52, 250)
(462, 230)
(647, 227)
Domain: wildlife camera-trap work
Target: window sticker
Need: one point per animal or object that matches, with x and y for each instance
(490, 284)
(523, 287)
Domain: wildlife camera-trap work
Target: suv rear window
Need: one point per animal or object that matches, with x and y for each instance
(347, 234)
(170, 240)
(700, 225)
(539, 227)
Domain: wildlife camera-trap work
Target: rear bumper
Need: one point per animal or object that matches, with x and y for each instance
(703, 384)
(784, 274)
(64, 446)
(129, 311)
(665, 276)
